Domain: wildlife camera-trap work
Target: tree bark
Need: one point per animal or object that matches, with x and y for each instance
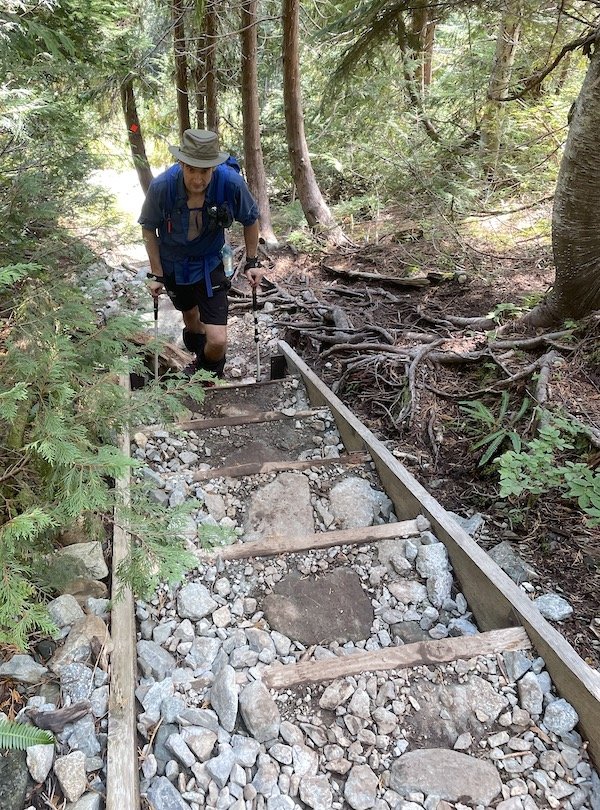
(576, 214)
(254, 164)
(200, 81)
(407, 42)
(315, 209)
(181, 77)
(134, 132)
(423, 30)
(493, 113)
(211, 24)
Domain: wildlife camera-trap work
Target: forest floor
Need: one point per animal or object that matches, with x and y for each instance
(490, 263)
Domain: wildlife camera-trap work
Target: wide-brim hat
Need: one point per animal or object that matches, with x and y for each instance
(199, 148)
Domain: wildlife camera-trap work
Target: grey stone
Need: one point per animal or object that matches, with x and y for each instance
(205, 718)
(305, 760)
(315, 792)
(516, 664)
(203, 652)
(265, 779)
(447, 774)
(278, 506)
(154, 660)
(64, 610)
(194, 602)
(432, 560)
(89, 555)
(13, 780)
(553, 607)
(530, 694)
(70, 772)
(470, 525)
(39, 761)
(408, 592)
(83, 737)
(220, 767)
(439, 586)
(224, 697)
(409, 632)
(509, 561)
(354, 503)
(171, 709)
(89, 801)
(259, 712)
(76, 681)
(200, 740)
(560, 717)
(360, 790)
(245, 750)
(164, 796)
(178, 747)
(23, 668)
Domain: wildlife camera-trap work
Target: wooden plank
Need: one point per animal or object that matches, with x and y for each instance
(169, 355)
(281, 544)
(380, 278)
(492, 596)
(421, 653)
(256, 468)
(122, 778)
(242, 419)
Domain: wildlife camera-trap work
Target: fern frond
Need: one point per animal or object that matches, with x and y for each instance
(19, 736)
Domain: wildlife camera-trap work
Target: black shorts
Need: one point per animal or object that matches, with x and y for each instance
(212, 310)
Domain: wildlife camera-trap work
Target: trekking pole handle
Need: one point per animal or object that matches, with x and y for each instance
(254, 306)
(155, 309)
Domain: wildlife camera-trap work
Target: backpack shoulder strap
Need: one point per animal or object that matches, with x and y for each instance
(171, 180)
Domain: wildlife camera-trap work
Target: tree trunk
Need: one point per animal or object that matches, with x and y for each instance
(211, 24)
(254, 164)
(181, 78)
(423, 33)
(428, 46)
(200, 81)
(315, 209)
(493, 113)
(134, 131)
(407, 43)
(576, 215)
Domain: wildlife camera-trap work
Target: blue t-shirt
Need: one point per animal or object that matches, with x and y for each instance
(191, 260)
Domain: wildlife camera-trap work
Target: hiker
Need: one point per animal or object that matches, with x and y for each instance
(183, 219)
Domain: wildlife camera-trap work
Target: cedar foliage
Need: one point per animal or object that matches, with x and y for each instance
(61, 410)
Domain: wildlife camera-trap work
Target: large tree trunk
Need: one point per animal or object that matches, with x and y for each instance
(576, 215)
(315, 209)
(134, 131)
(181, 78)
(493, 113)
(254, 164)
(211, 24)
(423, 29)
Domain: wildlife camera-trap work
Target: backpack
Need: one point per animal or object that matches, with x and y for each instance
(223, 197)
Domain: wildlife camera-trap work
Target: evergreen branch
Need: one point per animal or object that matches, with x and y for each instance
(19, 736)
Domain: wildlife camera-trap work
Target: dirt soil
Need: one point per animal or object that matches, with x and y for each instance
(432, 438)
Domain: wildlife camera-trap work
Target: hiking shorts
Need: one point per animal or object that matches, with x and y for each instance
(213, 310)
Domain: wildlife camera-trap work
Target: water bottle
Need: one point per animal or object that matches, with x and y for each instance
(227, 259)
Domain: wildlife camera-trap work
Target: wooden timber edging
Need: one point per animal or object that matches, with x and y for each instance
(280, 544)
(420, 653)
(258, 467)
(242, 419)
(122, 778)
(495, 600)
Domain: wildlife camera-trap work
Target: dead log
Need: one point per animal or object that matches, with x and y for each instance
(169, 355)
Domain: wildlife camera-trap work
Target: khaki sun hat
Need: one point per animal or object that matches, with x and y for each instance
(200, 148)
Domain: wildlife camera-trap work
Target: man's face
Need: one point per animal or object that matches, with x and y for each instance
(196, 180)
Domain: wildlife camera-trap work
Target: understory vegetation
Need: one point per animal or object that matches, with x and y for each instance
(397, 148)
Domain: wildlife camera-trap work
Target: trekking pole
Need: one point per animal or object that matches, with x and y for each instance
(256, 333)
(156, 339)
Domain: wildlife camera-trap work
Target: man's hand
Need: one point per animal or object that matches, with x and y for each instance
(253, 271)
(156, 285)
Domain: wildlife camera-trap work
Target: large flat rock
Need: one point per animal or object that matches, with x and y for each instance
(281, 508)
(333, 607)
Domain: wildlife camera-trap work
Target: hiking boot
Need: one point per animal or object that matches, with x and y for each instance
(192, 367)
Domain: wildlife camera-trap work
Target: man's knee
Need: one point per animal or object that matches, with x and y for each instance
(216, 341)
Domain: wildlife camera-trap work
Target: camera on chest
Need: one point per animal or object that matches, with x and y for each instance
(219, 217)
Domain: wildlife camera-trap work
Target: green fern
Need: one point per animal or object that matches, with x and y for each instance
(19, 736)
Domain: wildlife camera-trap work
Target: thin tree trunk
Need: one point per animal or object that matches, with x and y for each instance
(414, 94)
(134, 131)
(315, 209)
(200, 82)
(211, 24)
(428, 46)
(254, 164)
(493, 113)
(181, 78)
(576, 214)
